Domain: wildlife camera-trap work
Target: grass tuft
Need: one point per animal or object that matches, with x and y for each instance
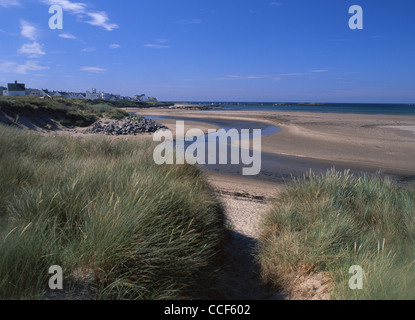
(115, 222)
(330, 222)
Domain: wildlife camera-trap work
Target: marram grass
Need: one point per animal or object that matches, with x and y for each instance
(330, 222)
(118, 224)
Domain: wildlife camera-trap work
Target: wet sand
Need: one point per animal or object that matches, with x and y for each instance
(380, 142)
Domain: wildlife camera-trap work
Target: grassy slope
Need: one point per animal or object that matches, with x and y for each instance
(72, 111)
(329, 223)
(108, 215)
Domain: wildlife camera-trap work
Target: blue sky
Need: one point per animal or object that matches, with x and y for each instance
(214, 50)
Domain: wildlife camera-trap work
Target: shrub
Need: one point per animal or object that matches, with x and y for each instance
(66, 123)
(81, 123)
(116, 114)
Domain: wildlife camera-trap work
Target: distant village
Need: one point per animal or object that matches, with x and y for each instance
(19, 89)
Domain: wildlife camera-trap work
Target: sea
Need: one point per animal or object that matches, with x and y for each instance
(355, 108)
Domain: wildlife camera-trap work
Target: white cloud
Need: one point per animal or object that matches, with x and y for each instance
(30, 65)
(7, 66)
(80, 9)
(275, 4)
(275, 77)
(28, 31)
(9, 3)
(232, 76)
(93, 70)
(160, 43)
(89, 49)
(115, 46)
(33, 50)
(156, 46)
(294, 74)
(100, 19)
(318, 71)
(239, 77)
(67, 36)
(71, 7)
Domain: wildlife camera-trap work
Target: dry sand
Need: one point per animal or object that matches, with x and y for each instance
(245, 201)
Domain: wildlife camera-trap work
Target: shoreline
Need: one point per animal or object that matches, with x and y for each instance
(367, 143)
(382, 142)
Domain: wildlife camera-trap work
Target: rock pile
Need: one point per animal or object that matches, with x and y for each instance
(129, 126)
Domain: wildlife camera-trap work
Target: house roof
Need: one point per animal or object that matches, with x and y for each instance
(16, 86)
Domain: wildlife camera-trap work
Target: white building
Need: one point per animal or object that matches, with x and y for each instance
(35, 92)
(92, 95)
(104, 96)
(15, 89)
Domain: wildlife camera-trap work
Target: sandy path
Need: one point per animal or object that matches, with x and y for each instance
(245, 200)
(241, 279)
(245, 203)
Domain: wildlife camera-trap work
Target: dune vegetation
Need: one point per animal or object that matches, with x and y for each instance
(120, 226)
(324, 224)
(70, 112)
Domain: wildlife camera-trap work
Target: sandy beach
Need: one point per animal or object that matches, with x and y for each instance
(370, 142)
(383, 142)
(378, 142)
(367, 141)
